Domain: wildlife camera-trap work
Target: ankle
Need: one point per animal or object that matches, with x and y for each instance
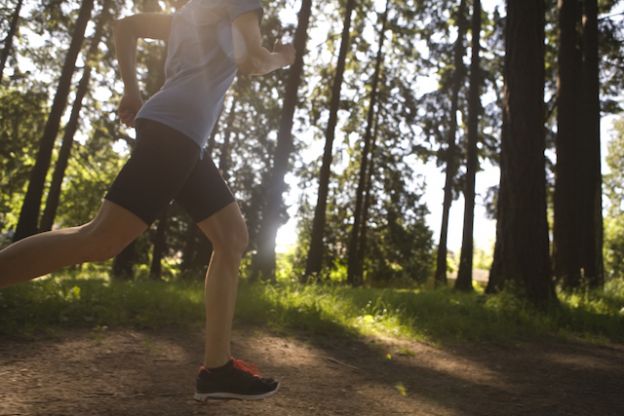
(216, 364)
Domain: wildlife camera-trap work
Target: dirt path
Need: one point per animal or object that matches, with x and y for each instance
(125, 372)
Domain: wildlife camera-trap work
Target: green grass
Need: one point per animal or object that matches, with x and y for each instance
(439, 316)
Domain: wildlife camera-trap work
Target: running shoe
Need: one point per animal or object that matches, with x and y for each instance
(235, 380)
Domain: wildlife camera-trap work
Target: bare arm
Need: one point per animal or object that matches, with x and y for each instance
(251, 57)
(127, 31)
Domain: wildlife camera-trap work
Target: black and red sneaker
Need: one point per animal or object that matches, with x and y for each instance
(235, 380)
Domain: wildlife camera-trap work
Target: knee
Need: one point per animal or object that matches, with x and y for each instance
(232, 241)
(101, 244)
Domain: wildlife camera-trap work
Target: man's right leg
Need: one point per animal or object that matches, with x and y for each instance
(111, 231)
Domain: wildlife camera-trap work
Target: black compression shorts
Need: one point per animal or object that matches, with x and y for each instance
(165, 165)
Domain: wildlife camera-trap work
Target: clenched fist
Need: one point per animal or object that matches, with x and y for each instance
(287, 51)
(129, 106)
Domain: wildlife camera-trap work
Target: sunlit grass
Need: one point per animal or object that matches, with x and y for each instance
(437, 316)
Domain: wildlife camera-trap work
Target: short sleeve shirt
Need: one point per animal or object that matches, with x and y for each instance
(199, 67)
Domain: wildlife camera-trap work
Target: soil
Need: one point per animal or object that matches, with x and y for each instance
(132, 372)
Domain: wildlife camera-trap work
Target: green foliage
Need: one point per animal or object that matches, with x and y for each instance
(443, 316)
(22, 116)
(91, 170)
(614, 222)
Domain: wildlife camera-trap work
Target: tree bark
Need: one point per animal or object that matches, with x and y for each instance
(451, 151)
(314, 261)
(464, 276)
(496, 279)
(592, 260)
(8, 40)
(263, 263)
(29, 213)
(354, 275)
(566, 233)
(123, 264)
(524, 247)
(54, 193)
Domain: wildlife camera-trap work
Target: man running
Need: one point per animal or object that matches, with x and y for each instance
(209, 41)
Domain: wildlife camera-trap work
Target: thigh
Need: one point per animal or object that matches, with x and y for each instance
(158, 168)
(205, 192)
(114, 222)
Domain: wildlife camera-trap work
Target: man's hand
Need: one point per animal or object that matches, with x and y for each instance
(250, 56)
(129, 106)
(287, 51)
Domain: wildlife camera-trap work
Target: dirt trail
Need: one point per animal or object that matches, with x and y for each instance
(127, 372)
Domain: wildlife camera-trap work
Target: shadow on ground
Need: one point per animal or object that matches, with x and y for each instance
(130, 372)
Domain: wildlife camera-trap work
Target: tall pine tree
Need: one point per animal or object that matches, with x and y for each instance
(29, 214)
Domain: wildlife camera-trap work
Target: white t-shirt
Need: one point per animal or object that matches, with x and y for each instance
(199, 67)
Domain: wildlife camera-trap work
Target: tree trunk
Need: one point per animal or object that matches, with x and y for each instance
(263, 264)
(353, 277)
(451, 151)
(29, 214)
(464, 276)
(224, 158)
(361, 246)
(496, 279)
(123, 264)
(196, 252)
(159, 242)
(592, 261)
(524, 232)
(315, 253)
(54, 193)
(567, 238)
(8, 40)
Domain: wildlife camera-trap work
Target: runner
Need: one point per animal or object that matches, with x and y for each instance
(209, 41)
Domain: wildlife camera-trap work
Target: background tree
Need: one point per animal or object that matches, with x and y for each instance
(54, 190)
(315, 252)
(29, 214)
(524, 230)
(591, 210)
(354, 270)
(450, 154)
(464, 275)
(7, 44)
(264, 261)
(567, 225)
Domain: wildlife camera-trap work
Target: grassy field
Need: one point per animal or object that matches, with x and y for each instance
(438, 316)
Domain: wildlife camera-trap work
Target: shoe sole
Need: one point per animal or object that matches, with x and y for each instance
(203, 397)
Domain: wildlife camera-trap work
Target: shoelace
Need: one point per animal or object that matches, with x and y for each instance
(246, 367)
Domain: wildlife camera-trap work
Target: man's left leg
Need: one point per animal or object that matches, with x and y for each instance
(223, 377)
(227, 232)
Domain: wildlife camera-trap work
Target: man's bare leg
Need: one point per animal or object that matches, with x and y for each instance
(112, 229)
(228, 233)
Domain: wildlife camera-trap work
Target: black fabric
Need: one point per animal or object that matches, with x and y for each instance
(166, 165)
